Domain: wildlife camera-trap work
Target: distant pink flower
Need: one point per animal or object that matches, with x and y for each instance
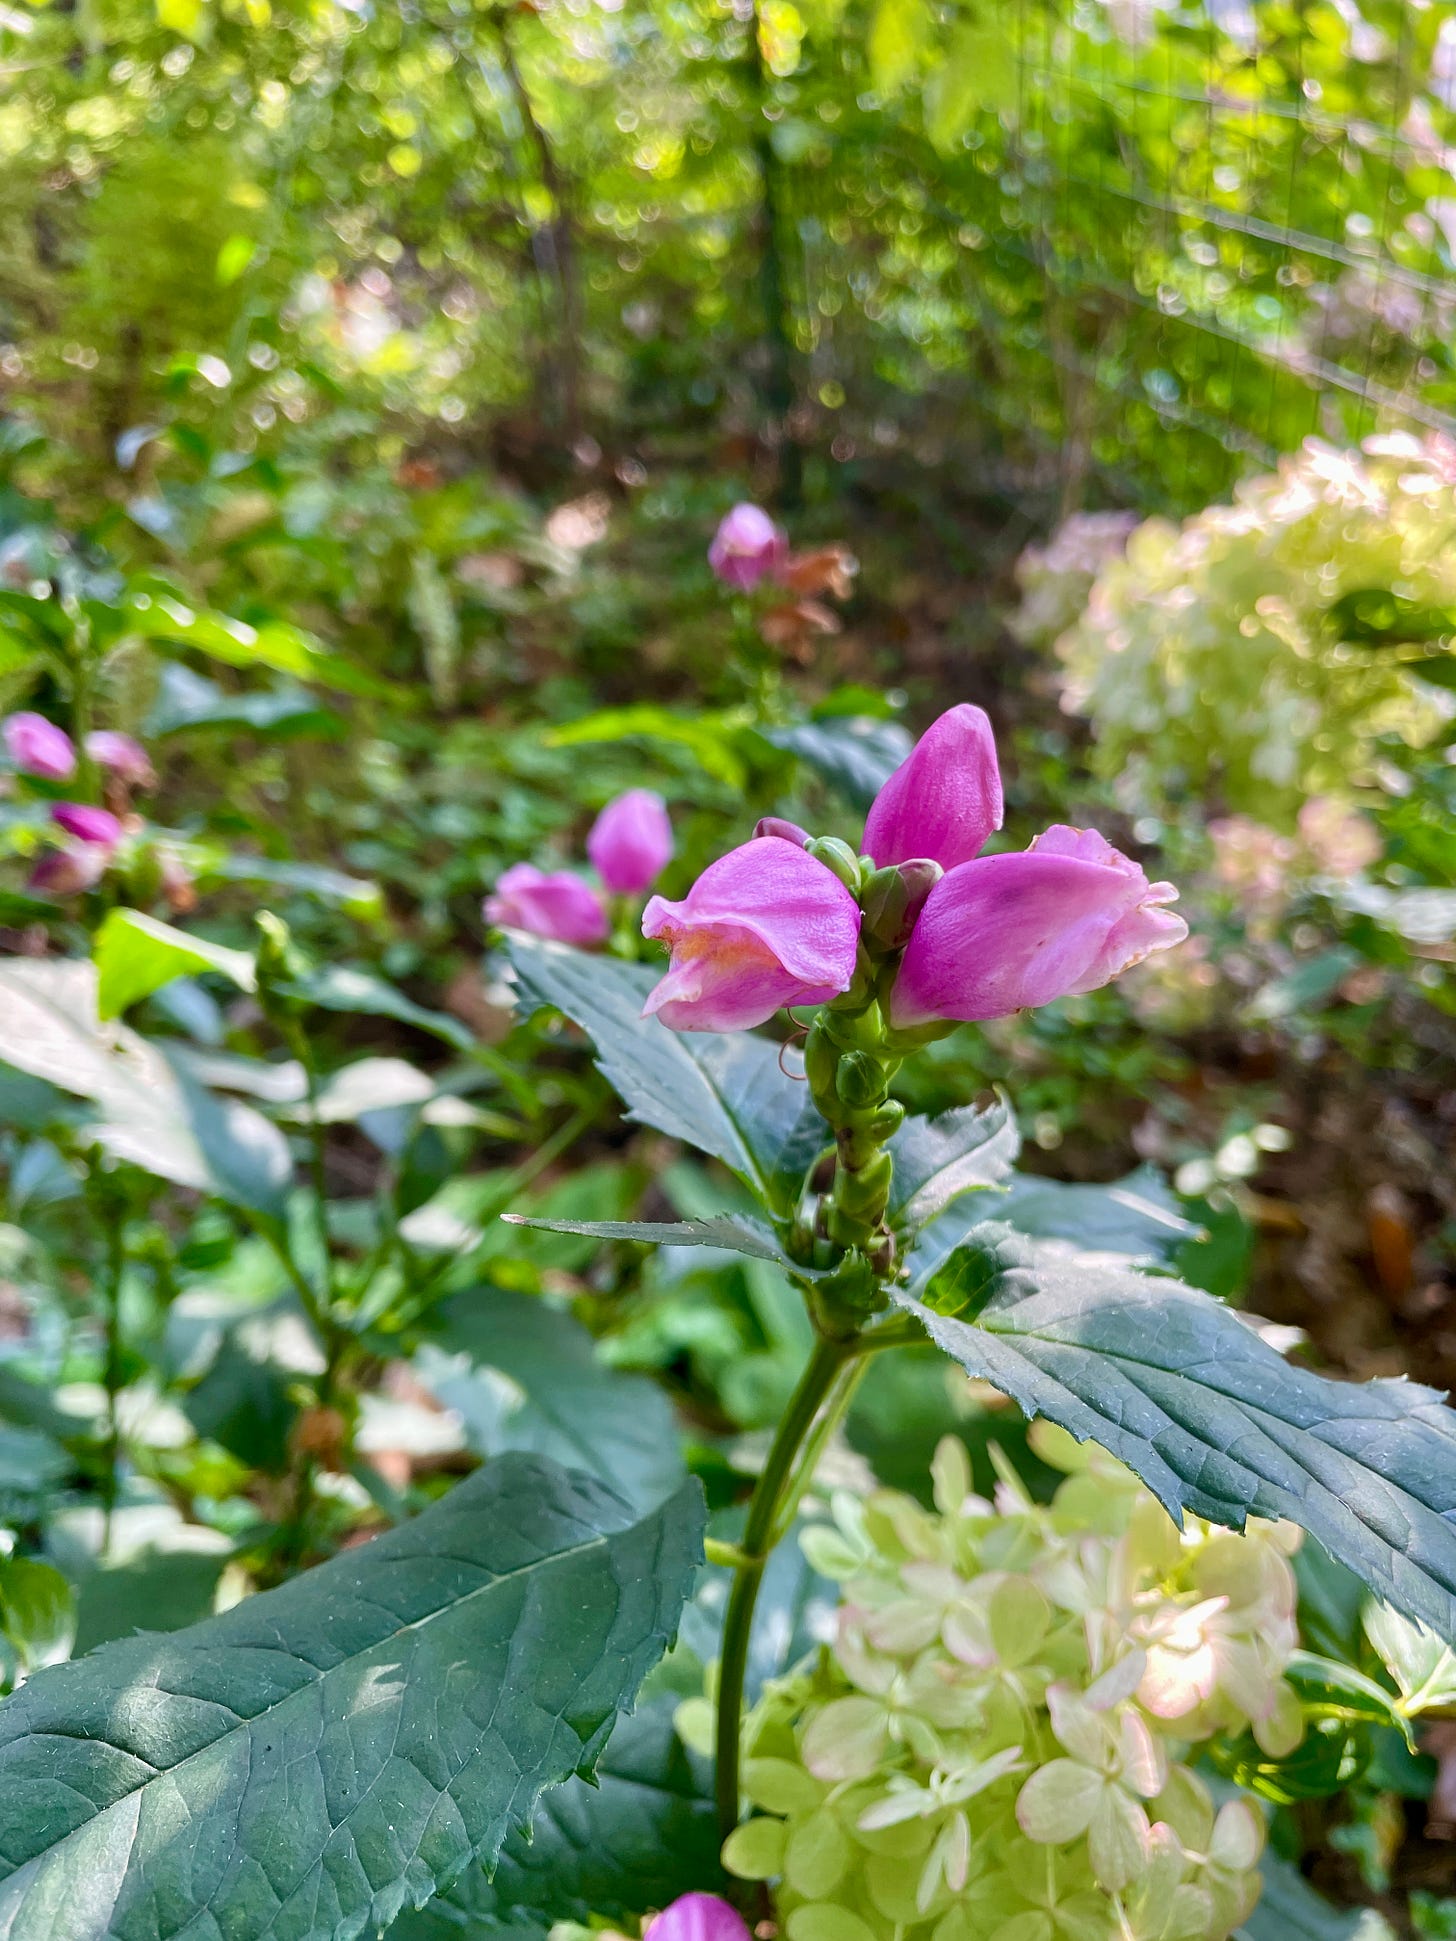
(1338, 837)
(560, 905)
(631, 842)
(944, 799)
(39, 747)
(66, 872)
(1004, 933)
(765, 926)
(698, 1917)
(122, 756)
(747, 547)
(88, 824)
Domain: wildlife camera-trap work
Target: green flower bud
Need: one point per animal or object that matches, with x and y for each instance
(893, 898)
(861, 1079)
(837, 856)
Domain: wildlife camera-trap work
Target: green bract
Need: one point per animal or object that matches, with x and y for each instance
(1256, 652)
(997, 1746)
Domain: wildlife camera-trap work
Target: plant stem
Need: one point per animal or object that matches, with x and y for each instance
(115, 1267)
(782, 1480)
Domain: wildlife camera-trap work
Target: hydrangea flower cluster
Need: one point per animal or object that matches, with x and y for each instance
(996, 1746)
(1241, 654)
(630, 844)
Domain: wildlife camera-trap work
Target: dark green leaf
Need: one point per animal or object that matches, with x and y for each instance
(736, 1232)
(721, 1092)
(646, 1832)
(324, 1755)
(557, 1399)
(936, 1160)
(855, 754)
(337, 987)
(1213, 1420)
(1290, 1910)
(1136, 1216)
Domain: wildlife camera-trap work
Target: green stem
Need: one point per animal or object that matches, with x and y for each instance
(773, 1497)
(115, 1267)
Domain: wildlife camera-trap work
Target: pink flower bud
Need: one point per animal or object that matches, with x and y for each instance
(777, 825)
(631, 842)
(1006, 932)
(87, 824)
(747, 547)
(698, 1917)
(66, 872)
(945, 797)
(560, 905)
(764, 926)
(122, 756)
(39, 747)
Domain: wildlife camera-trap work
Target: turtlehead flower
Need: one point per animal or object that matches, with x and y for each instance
(123, 757)
(39, 747)
(1008, 932)
(88, 824)
(944, 799)
(559, 905)
(747, 547)
(69, 871)
(765, 926)
(698, 1917)
(982, 936)
(631, 842)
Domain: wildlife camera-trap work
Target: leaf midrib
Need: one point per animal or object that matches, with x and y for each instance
(246, 1725)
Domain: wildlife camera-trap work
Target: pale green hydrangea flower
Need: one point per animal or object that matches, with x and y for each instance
(1233, 656)
(995, 1746)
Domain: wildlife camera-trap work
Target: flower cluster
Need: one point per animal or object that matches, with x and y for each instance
(37, 747)
(948, 933)
(749, 552)
(995, 1747)
(630, 844)
(1259, 651)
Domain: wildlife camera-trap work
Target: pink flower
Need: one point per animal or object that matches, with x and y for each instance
(1006, 932)
(88, 825)
(66, 872)
(631, 842)
(122, 756)
(39, 747)
(747, 547)
(698, 1917)
(764, 926)
(945, 797)
(560, 905)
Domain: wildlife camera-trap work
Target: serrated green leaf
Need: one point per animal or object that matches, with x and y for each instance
(324, 1755)
(1213, 1420)
(1136, 1216)
(1423, 1667)
(936, 1160)
(736, 1232)
(523, 1375)
(646, 1832)
(724, 1093)
(137, 954)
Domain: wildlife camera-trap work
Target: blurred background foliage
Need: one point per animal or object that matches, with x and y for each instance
(372, 378)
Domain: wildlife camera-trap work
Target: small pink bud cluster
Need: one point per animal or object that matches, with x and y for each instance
(770, 924)
(630, 844)
(39, 748)
(750, 551)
